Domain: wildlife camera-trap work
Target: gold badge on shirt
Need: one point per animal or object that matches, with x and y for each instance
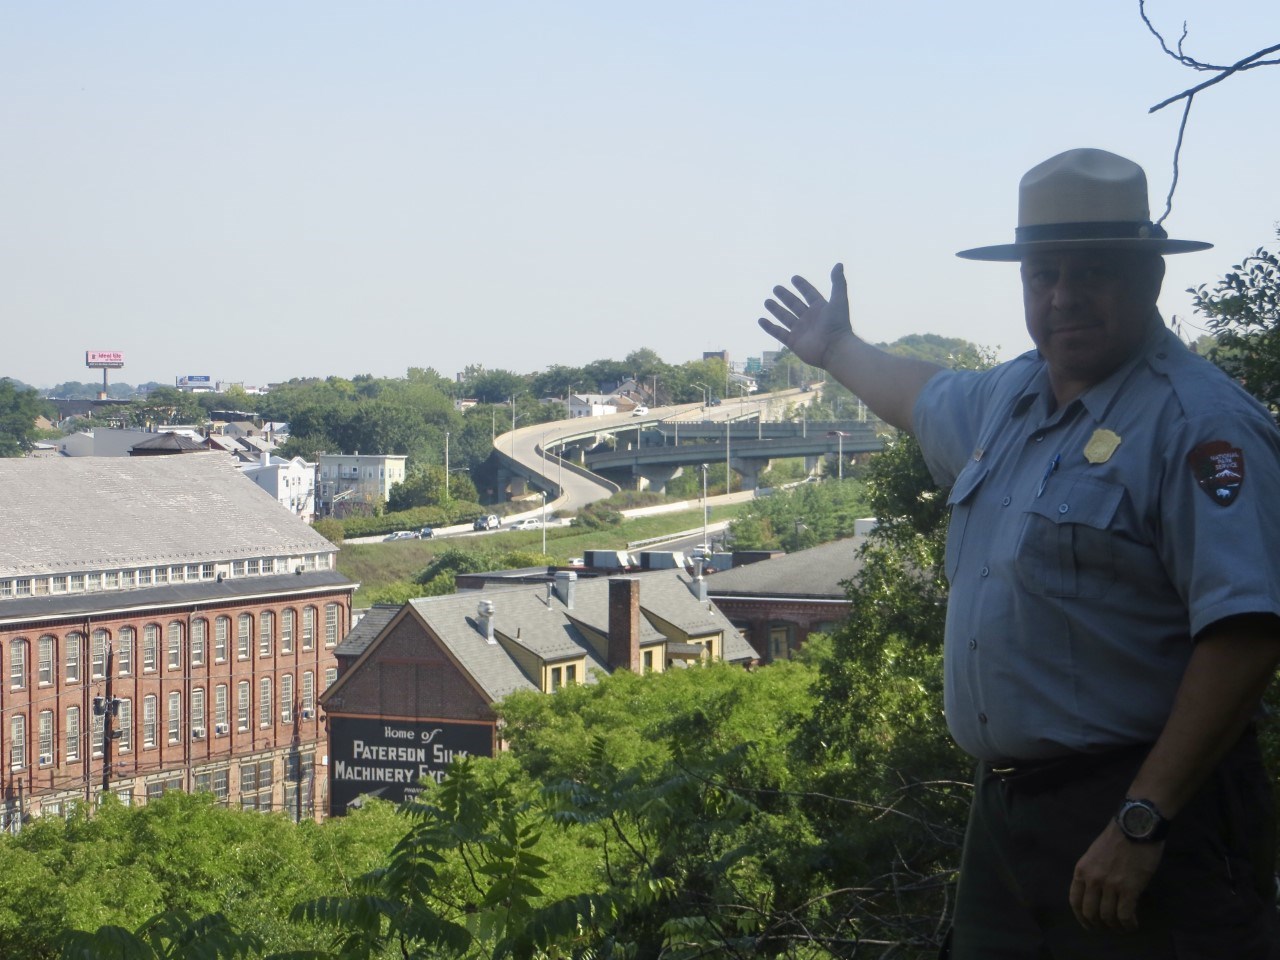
(1101, 446)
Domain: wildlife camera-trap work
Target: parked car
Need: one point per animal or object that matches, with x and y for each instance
(491, 522)
(530, 523)
(713, 402)
(640, 412)
(402, 535)
(426, 533)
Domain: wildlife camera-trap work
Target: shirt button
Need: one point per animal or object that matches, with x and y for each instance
(973, 644)
(1063, 508)
(985, 571)
(1039, 438)
(982, 718)
(1004, 502)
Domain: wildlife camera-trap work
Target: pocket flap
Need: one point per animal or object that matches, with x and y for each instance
(969, 480)
(1088, 501)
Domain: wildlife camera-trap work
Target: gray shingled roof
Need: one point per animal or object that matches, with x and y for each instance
(171, 595)
(366, 630)
(100, 513)
(814, 573)
(525, 617)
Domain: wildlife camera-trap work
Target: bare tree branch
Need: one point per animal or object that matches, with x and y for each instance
(1222, 72)
(1248, 63)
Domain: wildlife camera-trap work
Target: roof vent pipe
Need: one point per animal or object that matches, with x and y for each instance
(485, 613)
(566, 584)
(699, 580)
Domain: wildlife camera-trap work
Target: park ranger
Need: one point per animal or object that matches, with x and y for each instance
(1114, 616)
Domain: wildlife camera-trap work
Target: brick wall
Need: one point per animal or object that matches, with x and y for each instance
(755, 616)
(181, 752)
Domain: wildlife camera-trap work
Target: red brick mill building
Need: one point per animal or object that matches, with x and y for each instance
(164, 625)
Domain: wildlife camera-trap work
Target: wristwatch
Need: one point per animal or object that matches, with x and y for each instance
(1141, 821)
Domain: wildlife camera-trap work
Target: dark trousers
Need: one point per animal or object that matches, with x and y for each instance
(1213, 895)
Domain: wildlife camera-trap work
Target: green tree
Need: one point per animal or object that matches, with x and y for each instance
(18, 411)
(1243, 312)
(423, 487)
(331, 530)
(165, 406)
(902, 785)
(802, 516)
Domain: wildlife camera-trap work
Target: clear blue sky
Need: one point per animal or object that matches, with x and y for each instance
(258, 191)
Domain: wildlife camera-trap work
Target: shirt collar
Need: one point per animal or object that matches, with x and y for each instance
(1098, 398)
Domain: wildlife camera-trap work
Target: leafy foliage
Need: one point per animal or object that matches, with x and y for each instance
(1243, 311)
(18, 411)
(455, 511)
(180, 862)
(331, 530)
(878, 718)
(802, 516)
(425, 486)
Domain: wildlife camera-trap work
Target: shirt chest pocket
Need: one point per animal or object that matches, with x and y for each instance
(1066, 547)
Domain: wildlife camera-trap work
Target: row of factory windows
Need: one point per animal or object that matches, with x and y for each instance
(132, 579)
(114, 720)
(108, 657)
(257, 780)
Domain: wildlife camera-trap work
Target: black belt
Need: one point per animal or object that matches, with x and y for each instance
(1034, 775)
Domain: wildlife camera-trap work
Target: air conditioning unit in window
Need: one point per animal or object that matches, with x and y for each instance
(308, 713)
(221, 728)
(197, 733)
(46, 759)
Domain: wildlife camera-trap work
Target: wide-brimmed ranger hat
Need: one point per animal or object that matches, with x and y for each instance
(1084, 199)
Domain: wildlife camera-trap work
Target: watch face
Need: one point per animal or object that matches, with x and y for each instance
(1138, 820)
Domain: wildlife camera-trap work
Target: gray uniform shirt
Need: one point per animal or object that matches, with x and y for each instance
(1090, 544)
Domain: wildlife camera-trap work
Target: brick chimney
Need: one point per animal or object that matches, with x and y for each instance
(624, 624)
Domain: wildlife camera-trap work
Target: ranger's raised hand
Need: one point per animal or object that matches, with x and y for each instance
(817, 331)
(811, 326)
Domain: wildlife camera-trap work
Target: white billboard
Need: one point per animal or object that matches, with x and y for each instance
(103, 358)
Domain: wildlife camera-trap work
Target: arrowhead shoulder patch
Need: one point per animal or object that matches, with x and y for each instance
(1219, 469)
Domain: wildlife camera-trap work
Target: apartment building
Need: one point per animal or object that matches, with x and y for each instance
(164, 625)
(357, 478)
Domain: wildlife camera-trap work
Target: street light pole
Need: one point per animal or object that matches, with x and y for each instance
(839, 435)
(446, 464)
(544, 521)
(704, 507)
(728, 470)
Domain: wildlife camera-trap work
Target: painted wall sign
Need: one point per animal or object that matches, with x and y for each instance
(390, 758)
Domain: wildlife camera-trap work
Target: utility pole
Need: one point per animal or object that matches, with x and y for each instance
(105, 707)
(446, 464)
